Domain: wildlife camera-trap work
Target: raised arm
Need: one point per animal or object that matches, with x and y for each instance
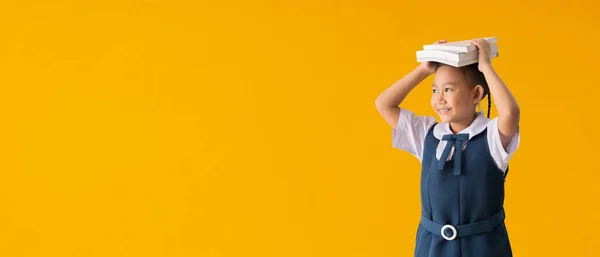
(509, 113)
(388, 101)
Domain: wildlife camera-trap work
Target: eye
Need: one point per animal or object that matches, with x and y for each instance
(435, 91)
(448, 89)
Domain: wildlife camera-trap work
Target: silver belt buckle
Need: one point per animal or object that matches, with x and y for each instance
(453, 231)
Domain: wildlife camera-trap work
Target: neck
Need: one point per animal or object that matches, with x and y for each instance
(459, 126)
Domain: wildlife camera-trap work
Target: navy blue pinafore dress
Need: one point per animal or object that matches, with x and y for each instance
(462, 201)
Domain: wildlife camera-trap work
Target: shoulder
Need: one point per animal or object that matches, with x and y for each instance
(409, 116)
(411, 123)
(410, 132)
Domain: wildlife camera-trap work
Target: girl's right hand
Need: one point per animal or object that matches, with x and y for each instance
(430, 67)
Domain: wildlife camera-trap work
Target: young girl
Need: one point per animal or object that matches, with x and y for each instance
(464, 157)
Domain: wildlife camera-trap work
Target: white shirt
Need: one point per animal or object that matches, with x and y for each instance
(409, 135)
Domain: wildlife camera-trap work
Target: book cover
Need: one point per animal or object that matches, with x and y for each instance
(452, 63)
(463, 46)
(452, 55)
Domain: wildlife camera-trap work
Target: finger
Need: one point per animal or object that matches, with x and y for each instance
(482, 41)
(483, 46)
(480, 44)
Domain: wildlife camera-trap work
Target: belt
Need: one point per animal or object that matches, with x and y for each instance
(470, 229)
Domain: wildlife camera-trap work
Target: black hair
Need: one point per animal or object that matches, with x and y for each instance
(475, 77)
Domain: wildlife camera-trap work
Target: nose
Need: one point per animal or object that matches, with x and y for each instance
(439, 98)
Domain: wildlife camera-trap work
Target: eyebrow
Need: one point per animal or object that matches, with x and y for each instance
(447, 83)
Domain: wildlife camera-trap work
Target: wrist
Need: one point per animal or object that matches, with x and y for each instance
(422, 71)
(487, 69)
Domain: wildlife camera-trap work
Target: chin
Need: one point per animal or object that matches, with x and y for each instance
(446, 119)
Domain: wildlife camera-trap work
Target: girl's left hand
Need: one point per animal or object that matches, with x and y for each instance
(485, 53)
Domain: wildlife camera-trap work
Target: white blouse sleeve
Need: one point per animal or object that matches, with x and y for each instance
(500, 155)
(409, 134)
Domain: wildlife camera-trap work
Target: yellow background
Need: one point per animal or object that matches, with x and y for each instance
(249, 128)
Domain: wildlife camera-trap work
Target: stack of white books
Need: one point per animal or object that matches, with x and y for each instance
(457, 53)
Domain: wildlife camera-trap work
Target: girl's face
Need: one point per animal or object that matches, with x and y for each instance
(452, 98)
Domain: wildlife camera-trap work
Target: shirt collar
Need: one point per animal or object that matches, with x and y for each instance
(478, 125)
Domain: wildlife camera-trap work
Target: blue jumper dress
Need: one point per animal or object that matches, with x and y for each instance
(462, 201)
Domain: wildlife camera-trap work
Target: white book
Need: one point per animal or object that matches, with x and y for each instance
(464, 46)
(452, 63)
(453, 55)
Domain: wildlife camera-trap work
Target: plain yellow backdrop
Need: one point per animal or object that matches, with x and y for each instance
(249, 128)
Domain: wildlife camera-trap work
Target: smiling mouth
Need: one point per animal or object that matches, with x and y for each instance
(443, 111)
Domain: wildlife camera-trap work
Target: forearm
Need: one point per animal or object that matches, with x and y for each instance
(397, 92)
(506, 104)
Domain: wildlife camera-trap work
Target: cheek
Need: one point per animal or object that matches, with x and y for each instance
(453, 99)
(459, 101)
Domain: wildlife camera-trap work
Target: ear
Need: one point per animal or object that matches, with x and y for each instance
(477, 94)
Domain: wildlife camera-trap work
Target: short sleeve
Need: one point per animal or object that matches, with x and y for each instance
(500, 155)
(409, 134)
